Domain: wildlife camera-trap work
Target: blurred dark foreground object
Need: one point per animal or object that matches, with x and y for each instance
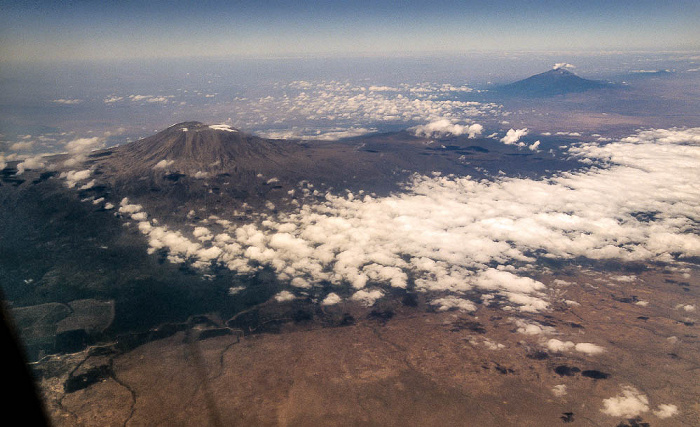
(21, 395)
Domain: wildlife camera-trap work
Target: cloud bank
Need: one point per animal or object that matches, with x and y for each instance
(638, 200)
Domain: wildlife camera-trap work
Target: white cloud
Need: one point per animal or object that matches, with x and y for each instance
(666, 411)
(163, 164)
(355, 110)
(73, 177)
(491, 345)
(559, 390)
(367, 297)
(685, 307)
(128, 208)
(223, 127)
(331, 299)
(78, 149)
(22, 146)
(559, 346)
(233, 290)
(513, 136)
(139, 216)
(36, 162)
(530, 327)
(450, 302)
(90, 184)
(446, 127)
(589, 349)
(82, 145)
(560, 65)
(67, 101)
(299, 282)
(113, 99)
(628, 404)
(317, 134)
(564, 346)
(284, 296)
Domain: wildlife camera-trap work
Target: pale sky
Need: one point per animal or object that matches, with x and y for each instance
(80, 30)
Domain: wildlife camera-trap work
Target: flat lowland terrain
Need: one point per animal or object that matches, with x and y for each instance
(404, 364)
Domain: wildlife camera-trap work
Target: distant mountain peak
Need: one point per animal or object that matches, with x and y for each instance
(557, 81)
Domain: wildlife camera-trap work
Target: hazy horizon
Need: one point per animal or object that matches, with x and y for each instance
(42, 31)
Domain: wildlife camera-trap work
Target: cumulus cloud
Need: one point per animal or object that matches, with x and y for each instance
(367, 297)
(628, 404)
(223, 127)
(685, 307)
(129, 208)
(446, 127)
(79, 148)
(140, 216)
(356, 110)
(513, 136)
(560, 65)
(559, 390)
(559, 346)
(318, 134)
(82, 145)
(530, 327)
(331, 299)
(150, 98)
(36, 162)
(564, 346)
(453, 302)
(202, 234)
(22, 146)
(284, 296)
(666, 411)
(73, 177)
(588, 348)
(163, 164)
(67, 101)
(492, 345)
(113, 99)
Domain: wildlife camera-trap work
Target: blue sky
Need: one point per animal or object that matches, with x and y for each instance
(70, 30)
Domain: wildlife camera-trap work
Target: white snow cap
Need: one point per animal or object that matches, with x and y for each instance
(223, 127)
